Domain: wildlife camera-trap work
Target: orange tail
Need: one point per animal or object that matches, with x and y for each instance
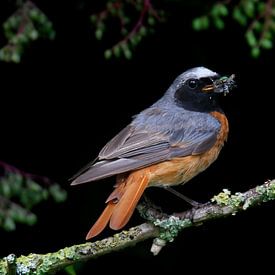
(102, 221)
(121, 204)
(136, 184)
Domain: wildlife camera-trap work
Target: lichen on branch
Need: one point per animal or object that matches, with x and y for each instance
(222, 205)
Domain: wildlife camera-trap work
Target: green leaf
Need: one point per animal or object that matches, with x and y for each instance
(266, 43)
(6, 26)
(93, 18)
(32, 194)
(255, 52)
(268, 35)
(143, 31)
(249, 8)
(42, 18)
(204, 22)
(31, 219)
(34, 14)
(218, 22)
(70, 270)
(33, 186)
(239, 16)
(151, 21)
(223, 11)
(261, 7)
(14, 21)
(133, 40)
(108, 54)
(98, 33)
(251, 39)
(219, 10)
(33, 34)
(124, 46)
(5, 188)
(257, 26)
(22, 38)
(200, 23)
(117, 51)
(196, 24)
(127, 53)
(9, 224)
(58, 194)
(17, 183)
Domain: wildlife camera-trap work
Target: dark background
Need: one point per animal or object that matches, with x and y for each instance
(65, 101)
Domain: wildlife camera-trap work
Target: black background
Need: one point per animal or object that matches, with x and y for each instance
(65, 101)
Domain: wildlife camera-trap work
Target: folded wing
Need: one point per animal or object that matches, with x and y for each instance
(136, 147)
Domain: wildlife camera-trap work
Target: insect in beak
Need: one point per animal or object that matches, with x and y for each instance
(221, 85)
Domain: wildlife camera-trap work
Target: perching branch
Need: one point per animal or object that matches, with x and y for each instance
(162, 228)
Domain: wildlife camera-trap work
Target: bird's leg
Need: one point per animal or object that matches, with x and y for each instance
(181, 196)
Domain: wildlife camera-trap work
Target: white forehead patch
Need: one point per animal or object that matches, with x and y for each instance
(197, 72)
(200, 72)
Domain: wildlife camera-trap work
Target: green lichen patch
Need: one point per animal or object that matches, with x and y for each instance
(262, 193)
(28, 264)
(3, 266)
(169, 228)
(225, 198)
(222, 198)
(267, 191)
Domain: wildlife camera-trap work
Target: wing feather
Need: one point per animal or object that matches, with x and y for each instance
(138, 146)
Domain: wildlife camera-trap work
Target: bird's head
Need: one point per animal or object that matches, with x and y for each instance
(197, 88)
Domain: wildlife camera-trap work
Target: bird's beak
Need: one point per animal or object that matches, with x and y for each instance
(222, 85)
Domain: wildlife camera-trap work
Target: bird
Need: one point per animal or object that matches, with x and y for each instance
(165, 145)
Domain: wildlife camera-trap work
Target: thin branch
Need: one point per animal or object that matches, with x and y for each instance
(147, 8)
(267, 19)
(14, 170)
(223, 205)
(266, 15)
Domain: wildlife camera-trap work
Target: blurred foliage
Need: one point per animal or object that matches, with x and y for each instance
(256, 16)
(19, 193)
(132, 20)
(132, 31)
(70, 270)
(26, 25)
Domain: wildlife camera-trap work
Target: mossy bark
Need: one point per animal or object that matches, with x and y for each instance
(162, 228)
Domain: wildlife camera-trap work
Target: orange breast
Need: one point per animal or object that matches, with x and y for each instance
(181, 170)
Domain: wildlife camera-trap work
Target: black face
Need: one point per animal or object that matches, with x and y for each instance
(191, 97)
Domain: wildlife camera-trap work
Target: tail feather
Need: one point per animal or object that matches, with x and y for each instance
(102, 221)
(126, 205)
(121, 203)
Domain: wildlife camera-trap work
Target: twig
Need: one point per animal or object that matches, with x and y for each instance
(12, 169)
(226, 204)
(266, 16)
(147, 7)
(267, 19)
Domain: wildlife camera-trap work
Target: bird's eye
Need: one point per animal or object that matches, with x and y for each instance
(193, 83)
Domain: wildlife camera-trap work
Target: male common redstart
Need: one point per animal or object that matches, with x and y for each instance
(167, 144)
